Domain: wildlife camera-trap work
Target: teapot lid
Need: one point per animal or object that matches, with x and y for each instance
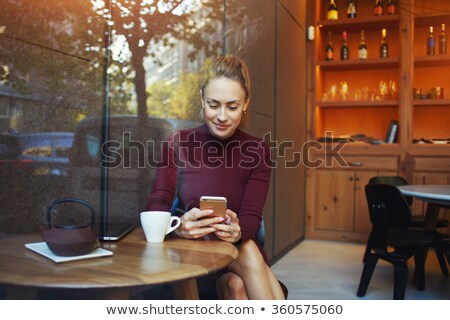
(71, 225)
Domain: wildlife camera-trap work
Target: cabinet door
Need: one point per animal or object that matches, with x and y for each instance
(335, 199)
(362, 219)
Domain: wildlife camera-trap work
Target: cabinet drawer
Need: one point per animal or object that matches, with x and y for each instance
(432, 164)
(359, 163)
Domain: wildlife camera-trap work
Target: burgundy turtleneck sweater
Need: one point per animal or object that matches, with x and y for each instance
(194, 163)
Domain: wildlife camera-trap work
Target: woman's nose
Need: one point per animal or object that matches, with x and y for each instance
(222, 115)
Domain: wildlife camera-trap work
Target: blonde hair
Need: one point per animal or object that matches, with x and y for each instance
(230, 67)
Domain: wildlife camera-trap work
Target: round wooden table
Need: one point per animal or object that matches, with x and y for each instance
(134, 264)
(436, 196)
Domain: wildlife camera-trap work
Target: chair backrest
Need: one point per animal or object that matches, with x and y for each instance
(395, 207)
(388, 210)
(392, 180)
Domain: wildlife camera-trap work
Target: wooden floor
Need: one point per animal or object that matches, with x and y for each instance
(317, 270)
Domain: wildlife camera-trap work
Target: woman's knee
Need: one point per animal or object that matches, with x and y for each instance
(250, 256)
(233, 287)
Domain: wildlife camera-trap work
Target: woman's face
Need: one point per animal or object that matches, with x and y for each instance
(223, 104)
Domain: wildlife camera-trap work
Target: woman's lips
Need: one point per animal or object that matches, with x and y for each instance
(221, 126)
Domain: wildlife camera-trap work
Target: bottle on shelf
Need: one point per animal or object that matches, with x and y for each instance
(351, 9)
(329, 51)
(383, 45)
(362, 50)
(378, 8)
(431, 44)
(443, 40)
(332, 13)
(391, 7)
(344, 47)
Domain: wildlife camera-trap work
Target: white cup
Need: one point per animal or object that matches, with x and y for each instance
(157, 224)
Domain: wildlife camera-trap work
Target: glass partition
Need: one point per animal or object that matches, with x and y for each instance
(74, 74)
(77, 74)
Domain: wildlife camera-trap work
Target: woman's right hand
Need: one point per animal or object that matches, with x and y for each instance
(195, 224)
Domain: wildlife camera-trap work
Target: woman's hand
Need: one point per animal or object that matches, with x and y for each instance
(195, 224)
(229, 232)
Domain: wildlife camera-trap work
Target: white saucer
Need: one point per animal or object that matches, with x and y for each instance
(43, 249)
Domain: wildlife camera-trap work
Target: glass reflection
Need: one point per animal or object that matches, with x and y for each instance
(53, 59)
(63, 63)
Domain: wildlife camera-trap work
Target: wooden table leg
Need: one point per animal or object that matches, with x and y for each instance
(431, 216)
(186, 290)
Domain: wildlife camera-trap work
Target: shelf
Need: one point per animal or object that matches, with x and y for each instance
(358, 24)
(354, 64)
(358, 148)
(432, 61)
(432, 19)
(432, 102)
(358, 104)
(429, 150)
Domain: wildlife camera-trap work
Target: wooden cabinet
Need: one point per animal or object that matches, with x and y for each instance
(355, 96)
(430, 117)
(363, 96)
(338, 208)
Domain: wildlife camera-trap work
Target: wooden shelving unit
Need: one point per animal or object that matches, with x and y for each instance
(355, 25)
(355, 64)
(432, 61)
(358, 104)
(337, 215)
(432, 102)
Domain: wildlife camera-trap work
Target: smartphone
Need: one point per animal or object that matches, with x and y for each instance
(218, 204)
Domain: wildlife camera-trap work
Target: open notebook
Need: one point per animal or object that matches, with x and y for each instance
(112, 231)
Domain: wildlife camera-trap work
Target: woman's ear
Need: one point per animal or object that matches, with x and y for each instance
(245, 109)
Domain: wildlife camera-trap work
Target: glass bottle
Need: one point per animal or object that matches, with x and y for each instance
(443, 40)
(344, 47)
(351, 9)
(362, 50)
(431, 44)
(329, 51)
(391, 7)
(332, 13)
(383, 45)
(378, 8)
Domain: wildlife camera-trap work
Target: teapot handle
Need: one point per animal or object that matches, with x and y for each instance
(65, 200)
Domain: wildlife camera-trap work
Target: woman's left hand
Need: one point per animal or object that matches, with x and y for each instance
(229, 232)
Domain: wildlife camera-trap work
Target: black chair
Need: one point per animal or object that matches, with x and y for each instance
(394, 239)
(417, 220)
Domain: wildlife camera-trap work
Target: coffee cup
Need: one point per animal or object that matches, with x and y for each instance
(157, 224)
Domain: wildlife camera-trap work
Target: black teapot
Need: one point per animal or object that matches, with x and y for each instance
(70, 239)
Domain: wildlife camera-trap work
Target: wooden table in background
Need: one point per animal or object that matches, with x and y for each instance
(135, 264)
(436, 196)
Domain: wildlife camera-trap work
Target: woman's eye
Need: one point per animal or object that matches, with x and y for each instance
(233, 107)
(213, 105)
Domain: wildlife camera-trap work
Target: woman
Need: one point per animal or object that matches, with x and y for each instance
(218, 159)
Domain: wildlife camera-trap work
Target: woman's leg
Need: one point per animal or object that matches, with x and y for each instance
(231, 287)
(259, 280)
